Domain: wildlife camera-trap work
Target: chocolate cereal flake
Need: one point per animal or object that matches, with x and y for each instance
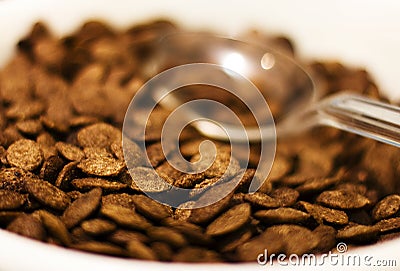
(25, 110)
(98, 135)
(230, 221)
(10, 200)
(123, 237)
(282, 215)
(289, 239)
(14, 179)
(280, 168)
(285, 196)
(207, 213)
(387, 207)
(133, 155)
(69, 151)
(151, 208)
(261, 200)
(28, 226)
(100, 247)
(47, 194)
(163, 251)
(96, 152)
(233, 240)
(342, 199)
(358, 233)
(388, 225)
(148, 180)
(81, 208)
(29, 127)
(85, 184)
(326, 238)
(25, 154)
(67, 174)
(167, 235)
(194, 233)
(125, 217)
(55, 227)
(101, 166)
(138, 250)
(97, 227)
(325, 215)
(51, 168)
(122, 199)
(315, 185)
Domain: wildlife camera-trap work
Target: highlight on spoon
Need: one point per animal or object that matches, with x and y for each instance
(234, 61)
(267, 61)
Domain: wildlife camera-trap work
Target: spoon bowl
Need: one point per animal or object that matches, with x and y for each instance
(286, 87)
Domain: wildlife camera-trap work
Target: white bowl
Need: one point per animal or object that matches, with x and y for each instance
(355, 32)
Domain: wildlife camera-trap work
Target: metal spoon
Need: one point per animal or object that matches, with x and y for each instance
(301, 107)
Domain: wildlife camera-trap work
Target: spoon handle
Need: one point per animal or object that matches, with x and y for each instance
(356, 114)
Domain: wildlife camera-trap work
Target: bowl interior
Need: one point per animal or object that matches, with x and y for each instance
(317, 31)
